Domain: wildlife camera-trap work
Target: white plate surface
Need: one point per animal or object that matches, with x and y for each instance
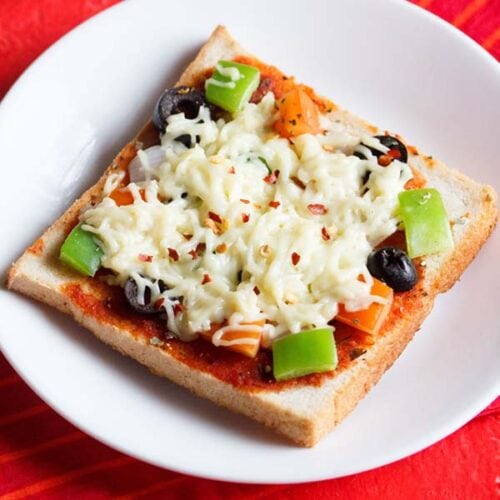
(72, 110)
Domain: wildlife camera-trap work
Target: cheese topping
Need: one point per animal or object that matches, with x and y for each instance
(232, 242)
(219, 341)
(229, 72)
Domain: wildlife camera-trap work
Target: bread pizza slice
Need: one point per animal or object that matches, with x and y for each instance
(260, 246)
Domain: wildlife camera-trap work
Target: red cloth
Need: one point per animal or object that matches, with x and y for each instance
(44, 456)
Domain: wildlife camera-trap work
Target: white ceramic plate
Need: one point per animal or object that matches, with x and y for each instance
(85, 97)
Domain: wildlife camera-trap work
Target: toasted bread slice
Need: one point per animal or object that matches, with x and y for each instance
(302, 412)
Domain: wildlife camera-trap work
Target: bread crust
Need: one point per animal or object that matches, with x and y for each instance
(302, 414)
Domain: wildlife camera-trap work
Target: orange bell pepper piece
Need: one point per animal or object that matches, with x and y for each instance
(369, 320)
(297, 114)
(235, 333)
(123, 196)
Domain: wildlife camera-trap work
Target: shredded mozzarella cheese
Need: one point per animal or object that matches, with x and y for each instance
(218, 339)
(233, 243)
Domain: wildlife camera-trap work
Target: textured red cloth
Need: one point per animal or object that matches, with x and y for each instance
(52, 459)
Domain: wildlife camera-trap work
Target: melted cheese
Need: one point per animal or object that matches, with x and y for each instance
(229, 72)
(218, 340)
(235, 244)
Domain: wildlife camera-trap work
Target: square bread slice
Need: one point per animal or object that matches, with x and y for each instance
(303, 413)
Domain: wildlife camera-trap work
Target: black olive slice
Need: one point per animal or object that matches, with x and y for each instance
(182, 99)
(397, 150)
(366, 177)
(131, 290)
(186, 140)
(394, 267)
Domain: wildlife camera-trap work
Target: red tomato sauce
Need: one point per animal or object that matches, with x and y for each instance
(108, 305)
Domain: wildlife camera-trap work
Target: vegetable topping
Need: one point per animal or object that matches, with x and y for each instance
(393, 266)
(243, 338)
(427, 228)
(232, 85)
(177, 100)
(310, 351)
(141, 300)
(392, 149)
(297, 114)
(81, 251)
(370, 319)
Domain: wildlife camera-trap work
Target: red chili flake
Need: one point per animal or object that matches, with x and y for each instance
(324, 234)
(145, 258)
(256, 290)
(295, 258)
(245, 218)
(187, 236)
(394, 154)
(246, 202)
(173, 254)
(178, 309)
(215, 217)
(274, 204)
(232, 170)
(297, 182)
(206, 279)
(158, 303)
(272, 178)
(196, 252)
(384, 160)
(317, 208)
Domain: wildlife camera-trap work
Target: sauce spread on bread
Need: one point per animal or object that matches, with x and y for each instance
(107, 305)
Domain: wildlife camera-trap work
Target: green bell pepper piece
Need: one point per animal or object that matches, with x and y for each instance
(426, 222)
(232, 85)
(310, 351)
(81, 251)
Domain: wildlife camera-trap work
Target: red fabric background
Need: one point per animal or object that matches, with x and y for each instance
(43, 456)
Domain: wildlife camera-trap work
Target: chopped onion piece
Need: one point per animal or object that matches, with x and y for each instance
(145, 163)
